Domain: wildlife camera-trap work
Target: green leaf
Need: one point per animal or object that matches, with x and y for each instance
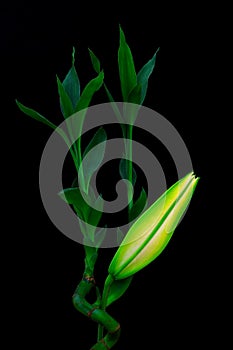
(91, 220)
(124, 170)
(138, 205)
(117, 289)
(95, 61)
(92, 158)
(71, 83)
(96, 65)
(100, 136)
(113, 104)
(35, 115)
(78, 199)
(144, 74)
(74, 197)
(65, 101)
(88, 92)
(128, 77)
(135, 95)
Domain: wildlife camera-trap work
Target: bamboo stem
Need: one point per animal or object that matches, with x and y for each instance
(96, 314)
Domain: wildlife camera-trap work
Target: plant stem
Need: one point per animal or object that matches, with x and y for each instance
(107, 285)
(130, 163)
(95, 313)
(100, 333)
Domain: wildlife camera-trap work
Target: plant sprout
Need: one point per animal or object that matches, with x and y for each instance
(153, 228)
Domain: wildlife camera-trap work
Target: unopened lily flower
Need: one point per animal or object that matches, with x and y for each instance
(150, 234)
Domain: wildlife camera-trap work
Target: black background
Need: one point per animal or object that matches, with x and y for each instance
(170, 302)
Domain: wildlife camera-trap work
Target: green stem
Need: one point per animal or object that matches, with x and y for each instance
(100, 333)
(130, 163)
(107, 286)
(95, 313)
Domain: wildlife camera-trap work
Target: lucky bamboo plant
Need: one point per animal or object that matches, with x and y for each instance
(151, 231)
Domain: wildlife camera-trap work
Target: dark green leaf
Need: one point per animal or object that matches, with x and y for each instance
(96, 65)
(35, 115)
(99, 137)
(88, 92)
(94, 156)
(124, 170)
(135, 94)
(71, 83)
(92, 218)
(74, 197)
(128, 77)
(95, 61)
(117, 289)
(65, 101)
(138, 206)
(113, 104)
(78, 199)
(144, 74)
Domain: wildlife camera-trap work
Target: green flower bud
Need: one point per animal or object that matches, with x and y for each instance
(150, 234)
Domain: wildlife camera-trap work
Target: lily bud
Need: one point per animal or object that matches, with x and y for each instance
(150, 234)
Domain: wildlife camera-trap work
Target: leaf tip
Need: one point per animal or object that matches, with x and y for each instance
(58, 80)
(122, 35)
(73, 56)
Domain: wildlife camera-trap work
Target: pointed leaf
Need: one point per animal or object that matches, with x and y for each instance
(100, 136)
(138, 205)
(65, 101)
(96, 65)
(128, 77)
(93, 158)
(117, 289)
(113, 104)
(151, 232)
(79, 201)
(88, 228)
(135, 94)
(71, 83)
(35, 115)
(74, 197)
(95, 61)
(88, 92)
(92, 219)
(144, 74)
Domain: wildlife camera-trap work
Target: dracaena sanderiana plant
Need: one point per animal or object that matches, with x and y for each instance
(152, 230)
